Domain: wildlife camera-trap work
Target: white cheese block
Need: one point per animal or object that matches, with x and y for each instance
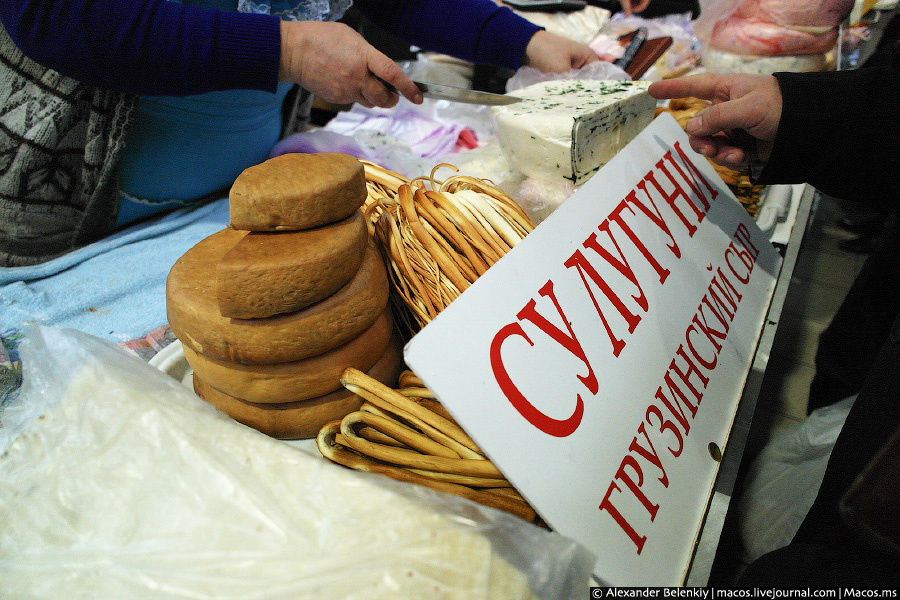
(570, 128)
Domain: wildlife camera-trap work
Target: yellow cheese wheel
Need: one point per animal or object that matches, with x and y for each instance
(294, 381)
(297, 191)
(301, 420)
(194, 316)
(266, 274)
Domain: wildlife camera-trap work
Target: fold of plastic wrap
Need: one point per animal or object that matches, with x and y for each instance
(118, 482)
(771, 27)
(296, 10)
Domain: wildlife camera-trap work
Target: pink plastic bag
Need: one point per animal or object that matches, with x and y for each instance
(771, 27)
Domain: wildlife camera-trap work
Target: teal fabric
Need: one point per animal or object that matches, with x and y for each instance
(180, 149)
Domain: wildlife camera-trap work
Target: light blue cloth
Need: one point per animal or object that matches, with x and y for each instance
(182, 148)
(113, 288)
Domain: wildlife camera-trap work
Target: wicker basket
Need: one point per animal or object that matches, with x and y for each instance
(437, 237)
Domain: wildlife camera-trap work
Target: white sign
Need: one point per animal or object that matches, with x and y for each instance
(599, 359)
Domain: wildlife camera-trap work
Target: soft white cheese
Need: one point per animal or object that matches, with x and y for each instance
(570, 128)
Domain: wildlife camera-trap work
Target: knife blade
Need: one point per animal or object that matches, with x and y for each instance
(439, 91)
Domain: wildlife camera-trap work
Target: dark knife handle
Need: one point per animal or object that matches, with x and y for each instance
(389, 86)
(423, 87)
(631, 50)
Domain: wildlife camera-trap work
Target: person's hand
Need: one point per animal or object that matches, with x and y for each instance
(553, 53)
(741, 105)
(633, 6)
(334, 62)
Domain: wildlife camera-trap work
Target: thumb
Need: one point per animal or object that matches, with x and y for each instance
(733, 114)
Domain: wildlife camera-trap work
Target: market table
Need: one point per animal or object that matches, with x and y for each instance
(788, 236)
(711, 532)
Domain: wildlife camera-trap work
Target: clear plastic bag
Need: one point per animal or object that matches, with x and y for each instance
(321, 140)
(678, 59)
(117, 482)
(784, 479)
(598, 70)
(579, 25)
(712, 12)
(540, 196)
(771, 27)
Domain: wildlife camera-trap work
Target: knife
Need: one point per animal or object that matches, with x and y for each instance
(640, 36)
(438, 91)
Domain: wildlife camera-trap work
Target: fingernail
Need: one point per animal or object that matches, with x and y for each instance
(692, 125)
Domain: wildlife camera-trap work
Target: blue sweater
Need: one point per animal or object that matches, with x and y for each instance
(162, 48)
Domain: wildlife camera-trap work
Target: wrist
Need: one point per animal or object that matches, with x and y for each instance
(293, 38)
(284, 60)
(532, 48)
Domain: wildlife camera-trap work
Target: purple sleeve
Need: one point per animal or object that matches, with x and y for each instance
(474, 30)
(147, 46)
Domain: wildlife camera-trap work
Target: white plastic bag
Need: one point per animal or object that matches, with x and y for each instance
(410, 138)
(579, 25)
(597, 70)
(784, 479)
(129, 486)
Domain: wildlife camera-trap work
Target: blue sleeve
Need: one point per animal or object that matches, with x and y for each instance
(147, 46)
(475, 30)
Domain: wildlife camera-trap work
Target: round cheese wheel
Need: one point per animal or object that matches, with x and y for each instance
(301, 420)
(297, 191)
(266, 274)
(294, 381)
(193, 311)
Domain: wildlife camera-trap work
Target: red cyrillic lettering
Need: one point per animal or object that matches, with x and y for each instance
(710, 364)
(666, 425)
(684, 375)
(635, 486)
(620, 264)
(728, 290)
(550, 426)
(670, 198)
(582, 265)
(742, 234)
(620, 520)
(650, 455)
(616, 217)
(676, 409)
(695, 174)
(569, 342)
(745, 259)
(655, 216)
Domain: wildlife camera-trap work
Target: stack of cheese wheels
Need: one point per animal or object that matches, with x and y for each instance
(273, 309)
